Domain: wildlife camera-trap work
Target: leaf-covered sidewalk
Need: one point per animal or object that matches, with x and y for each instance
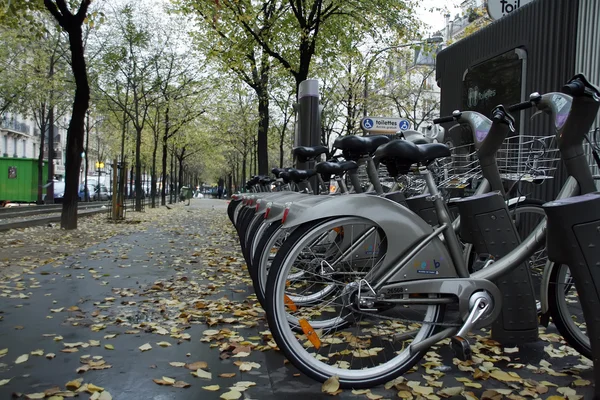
(162, 309)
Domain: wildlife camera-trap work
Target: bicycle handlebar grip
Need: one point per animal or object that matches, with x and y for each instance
(574, 88)
(521, 106)
(441, 120)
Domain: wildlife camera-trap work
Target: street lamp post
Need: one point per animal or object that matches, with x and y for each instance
(99, 166)
(431, 40)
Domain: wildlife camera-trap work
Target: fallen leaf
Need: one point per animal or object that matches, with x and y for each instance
(109, 347)
(3, 352)
(35, 396)
(330, 386)
(50, 356)
(164, 344)
(212, 388)
(181, 384)
(451, 391)
(22, 359)
(200, 373)
(504, 376)
(581, 382)
(82, 369)
(91, 388)
(228, 375)
(177, 364)
(246, 365)
(196, 365)
(74, 385)
(38, 352)
(4, 381)
(164, 382)
(145, 347)
(57, 310)
(510, 350)
(231, 395)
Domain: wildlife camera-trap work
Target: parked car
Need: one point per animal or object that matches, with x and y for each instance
(101, 193)
(81, 193)
(59, 192)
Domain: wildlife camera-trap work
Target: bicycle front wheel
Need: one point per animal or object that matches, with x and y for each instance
(566, 310)
(314, 288)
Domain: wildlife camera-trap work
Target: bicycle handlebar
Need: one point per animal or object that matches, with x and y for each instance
(521, 106)
(441, 120)
(574, 88)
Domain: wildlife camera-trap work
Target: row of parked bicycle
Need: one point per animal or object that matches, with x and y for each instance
(360, 284)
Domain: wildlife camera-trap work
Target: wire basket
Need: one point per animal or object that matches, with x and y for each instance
(458, 171)
(528, 158)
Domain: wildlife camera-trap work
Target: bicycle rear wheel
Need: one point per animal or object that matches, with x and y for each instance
(312, 306)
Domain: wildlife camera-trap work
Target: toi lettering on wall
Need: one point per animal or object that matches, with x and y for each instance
(500, 8)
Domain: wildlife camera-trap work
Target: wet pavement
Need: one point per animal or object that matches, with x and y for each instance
(177, 283)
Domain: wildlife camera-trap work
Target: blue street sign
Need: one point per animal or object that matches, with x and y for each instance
(404, 125)
(368, 123)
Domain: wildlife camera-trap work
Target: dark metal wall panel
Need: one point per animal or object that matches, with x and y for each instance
(587, 56)
(547, 31)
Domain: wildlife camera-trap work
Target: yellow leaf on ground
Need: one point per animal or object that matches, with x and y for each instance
(451, 391)
(145, 347)
(177, 364)
(50, 356)
(74, 385)
(212, 388)
(231, 395)
(164, 344)
(331, 385)
(3, 352)
(4, 381)
(91, 388)
(504, 376)
(38, 352)
(22, 359)
(196, 365)
(181, 384)
(35, 396)
(109, 347)
(200, 373)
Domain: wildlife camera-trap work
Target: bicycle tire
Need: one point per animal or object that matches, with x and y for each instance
(561, 317)
(284, 334)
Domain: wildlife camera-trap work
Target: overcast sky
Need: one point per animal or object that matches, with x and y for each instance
(435, 18)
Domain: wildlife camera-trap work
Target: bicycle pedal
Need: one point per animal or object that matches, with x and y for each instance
(461, 348)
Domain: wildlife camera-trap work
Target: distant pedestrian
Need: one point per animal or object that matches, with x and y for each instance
(220, 188)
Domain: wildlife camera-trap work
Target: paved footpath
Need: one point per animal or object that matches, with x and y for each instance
(161, 308)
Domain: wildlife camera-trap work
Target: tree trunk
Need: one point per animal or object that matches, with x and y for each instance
(263, 130)
(163, 189)
(244, 177)
(138, 170)
(153, 177)
(75, 131)
(87, 160)
(43, 127)
(171, 183)
(50, 178)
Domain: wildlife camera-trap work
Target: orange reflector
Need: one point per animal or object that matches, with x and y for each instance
(339, 229)
(310, 333)
(289, 303)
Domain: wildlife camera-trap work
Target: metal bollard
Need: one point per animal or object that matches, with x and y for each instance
(309, 121)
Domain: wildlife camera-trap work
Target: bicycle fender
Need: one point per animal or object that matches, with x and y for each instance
(403, 227)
